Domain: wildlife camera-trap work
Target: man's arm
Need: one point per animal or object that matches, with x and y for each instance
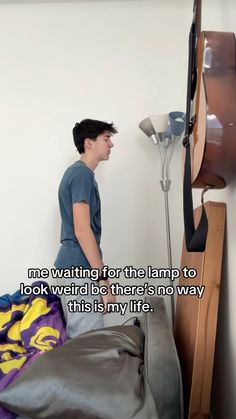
(86, 239)
(85, 236)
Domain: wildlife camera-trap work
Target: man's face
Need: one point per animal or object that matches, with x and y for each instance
(102, 146)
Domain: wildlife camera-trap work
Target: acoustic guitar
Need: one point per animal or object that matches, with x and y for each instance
(210, 157)
(213, 149)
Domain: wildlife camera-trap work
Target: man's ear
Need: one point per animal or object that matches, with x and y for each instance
(88, 143)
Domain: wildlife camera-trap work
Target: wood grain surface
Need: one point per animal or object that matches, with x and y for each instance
(196, 318)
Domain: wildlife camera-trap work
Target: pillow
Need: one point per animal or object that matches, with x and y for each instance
(98, 375)
(161, 361)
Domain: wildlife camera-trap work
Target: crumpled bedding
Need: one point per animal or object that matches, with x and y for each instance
(29, 326)
(98, 375)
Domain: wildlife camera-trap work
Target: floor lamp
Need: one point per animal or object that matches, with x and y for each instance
(165, 131)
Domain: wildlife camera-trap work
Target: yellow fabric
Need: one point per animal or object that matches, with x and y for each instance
(44, 345)
(11, 353)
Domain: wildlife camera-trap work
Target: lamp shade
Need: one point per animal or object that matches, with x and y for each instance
(147, 127)
(177, 123)
(154, 124)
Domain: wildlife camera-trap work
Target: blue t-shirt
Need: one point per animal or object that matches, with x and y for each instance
(78, 184)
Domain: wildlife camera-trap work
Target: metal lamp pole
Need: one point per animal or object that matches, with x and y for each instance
(165, 131)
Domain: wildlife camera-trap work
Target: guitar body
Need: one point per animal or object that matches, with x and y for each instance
(214, 134)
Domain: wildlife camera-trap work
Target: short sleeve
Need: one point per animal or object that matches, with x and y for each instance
(81, 186)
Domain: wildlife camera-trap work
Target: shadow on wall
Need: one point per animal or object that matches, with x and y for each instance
(223, 385)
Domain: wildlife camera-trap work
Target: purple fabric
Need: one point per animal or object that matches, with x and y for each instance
(29, 326)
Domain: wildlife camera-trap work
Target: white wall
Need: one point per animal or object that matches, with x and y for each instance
(116, 61)
(61, 63)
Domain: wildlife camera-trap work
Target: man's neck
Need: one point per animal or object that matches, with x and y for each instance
(89, 161)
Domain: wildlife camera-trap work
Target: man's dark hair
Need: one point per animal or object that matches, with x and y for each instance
(89, 128)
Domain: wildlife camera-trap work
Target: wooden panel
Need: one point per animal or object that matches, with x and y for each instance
(196, 318)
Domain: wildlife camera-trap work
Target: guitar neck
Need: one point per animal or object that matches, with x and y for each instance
(197, 12)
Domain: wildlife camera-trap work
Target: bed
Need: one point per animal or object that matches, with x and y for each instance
(118, 372)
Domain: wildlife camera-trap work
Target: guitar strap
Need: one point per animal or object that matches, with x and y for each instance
(195, 238)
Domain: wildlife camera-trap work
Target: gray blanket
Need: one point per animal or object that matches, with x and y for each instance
(99, 375)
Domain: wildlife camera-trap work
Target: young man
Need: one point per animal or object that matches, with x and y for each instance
(79, 203)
